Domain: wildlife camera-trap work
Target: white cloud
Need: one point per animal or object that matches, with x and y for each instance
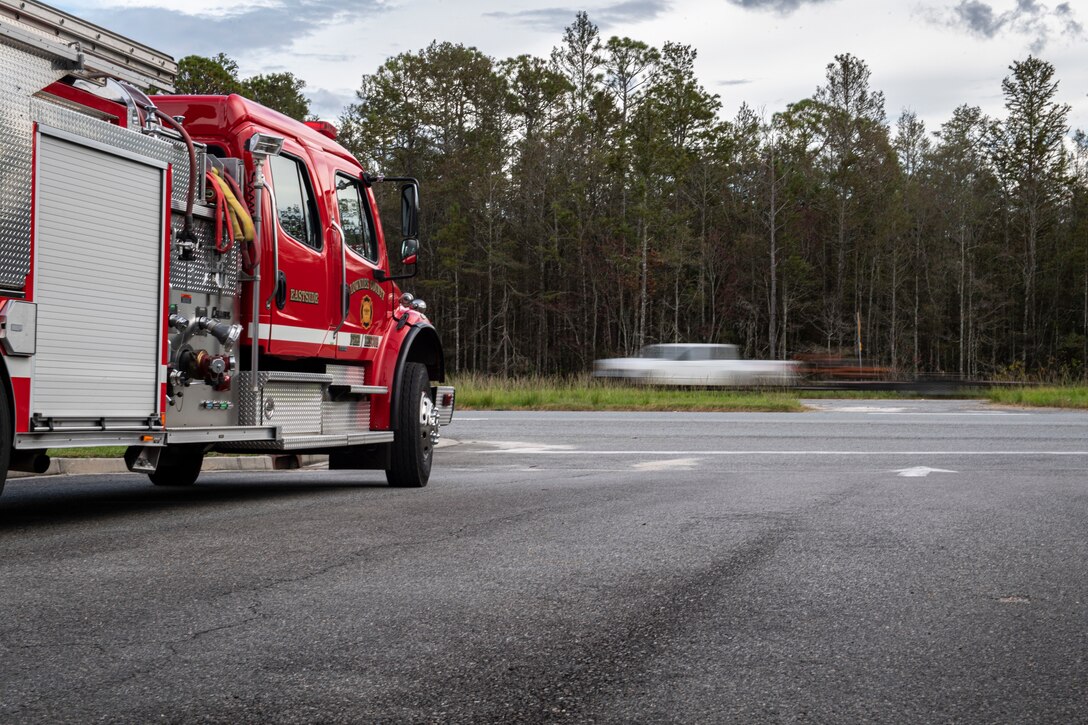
(924, 54)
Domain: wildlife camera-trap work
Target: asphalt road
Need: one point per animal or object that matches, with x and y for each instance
(869, 562)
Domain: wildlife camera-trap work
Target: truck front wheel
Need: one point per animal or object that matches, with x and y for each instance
(178, 466)
(417, 427)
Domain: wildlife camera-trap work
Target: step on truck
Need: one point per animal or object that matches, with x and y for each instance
(185, 274)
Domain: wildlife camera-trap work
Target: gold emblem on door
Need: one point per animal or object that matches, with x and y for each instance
(366, 312)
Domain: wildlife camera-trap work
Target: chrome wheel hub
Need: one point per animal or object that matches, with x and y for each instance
(428, 422)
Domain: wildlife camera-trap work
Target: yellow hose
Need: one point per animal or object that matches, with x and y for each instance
(243, 222)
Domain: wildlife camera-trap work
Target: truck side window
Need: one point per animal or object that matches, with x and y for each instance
(355, 218)
(295, 200)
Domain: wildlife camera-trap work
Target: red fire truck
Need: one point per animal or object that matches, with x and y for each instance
(185, 274)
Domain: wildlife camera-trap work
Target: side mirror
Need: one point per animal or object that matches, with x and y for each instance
(409, 225)
(409, 211)
(409, 251)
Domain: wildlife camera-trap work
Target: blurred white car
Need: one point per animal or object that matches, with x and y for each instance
(696, 364)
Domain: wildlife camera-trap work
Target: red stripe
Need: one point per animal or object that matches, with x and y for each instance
(21, 389)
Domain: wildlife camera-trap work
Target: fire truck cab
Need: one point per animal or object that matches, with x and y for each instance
(183, 274)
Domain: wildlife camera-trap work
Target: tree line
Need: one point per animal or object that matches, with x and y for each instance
(588, 203)
(218, 76)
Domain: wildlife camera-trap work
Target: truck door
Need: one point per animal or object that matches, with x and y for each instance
(368, 301)
(302, 304)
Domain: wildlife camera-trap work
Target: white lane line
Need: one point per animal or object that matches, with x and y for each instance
(996, 454)
(957, 415)
(858, 409)
(527, 447)
(920, 471)
(766, 418)
(900, 411)
(669, 464)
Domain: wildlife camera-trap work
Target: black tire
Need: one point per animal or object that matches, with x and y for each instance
(178, 466)
(7, 438)
(413, 447)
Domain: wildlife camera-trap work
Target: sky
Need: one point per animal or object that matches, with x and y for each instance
(929, 56)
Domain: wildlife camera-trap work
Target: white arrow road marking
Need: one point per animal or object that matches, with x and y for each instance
(672, 464)
(920, 471)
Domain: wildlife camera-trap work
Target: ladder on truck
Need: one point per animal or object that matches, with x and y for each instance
(83, 46)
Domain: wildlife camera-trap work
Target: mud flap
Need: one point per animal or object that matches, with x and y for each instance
(143, 459)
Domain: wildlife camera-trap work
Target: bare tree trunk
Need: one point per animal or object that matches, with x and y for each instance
(917, 310)
(869, 313)
(1029, 286)
(456, 319)
(841, 267)
(895, 307)
(963, 296)
(506, 341)
(785, 319)
(972, 330)
(595, 317)
(772, 302)
(642, 290)
(490, 315)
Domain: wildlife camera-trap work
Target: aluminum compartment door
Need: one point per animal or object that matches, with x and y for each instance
(98, 280)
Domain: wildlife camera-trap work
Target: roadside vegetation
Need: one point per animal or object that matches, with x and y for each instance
(1053, 396)
(479, 392)
(96, 452)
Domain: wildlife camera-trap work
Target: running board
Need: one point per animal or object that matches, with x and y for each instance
(344, 392)
(315, 442)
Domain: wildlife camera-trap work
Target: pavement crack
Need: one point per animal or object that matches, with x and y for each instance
(193, 636)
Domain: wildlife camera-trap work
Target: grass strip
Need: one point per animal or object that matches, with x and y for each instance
(1071, 396)
(93, 452)
(583, 393)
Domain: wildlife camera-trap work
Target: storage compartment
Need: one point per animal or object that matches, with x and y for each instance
(99, 223)
(291, 401)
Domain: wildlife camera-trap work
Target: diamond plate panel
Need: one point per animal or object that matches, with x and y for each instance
(345, 416)
(346, 374)
(249, 400)
(180, 161)
(169, 150)
(297, 407)
(21, 74)
(296, 398)
(207, 272)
